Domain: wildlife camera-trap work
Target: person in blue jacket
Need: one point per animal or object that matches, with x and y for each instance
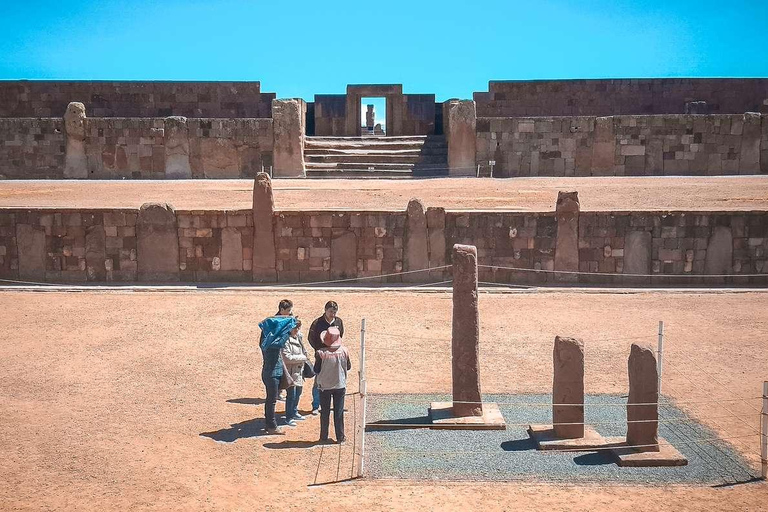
(275, 331)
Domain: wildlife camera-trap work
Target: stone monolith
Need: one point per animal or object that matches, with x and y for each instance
(567, 243)
(643, 389)
(264, 256)
(416, 254)
(465, 333)
(460, 120)
(176, 140)
(157, 243)
(288, 131)
(30, 244)
(568, 387)
(75, 161)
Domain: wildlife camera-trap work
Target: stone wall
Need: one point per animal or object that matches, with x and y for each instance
(418, 114)
(32, 148)
(142, 148)
(623, 96)
(330, 115)
(104, 245)
(23, 98)
(707, 145)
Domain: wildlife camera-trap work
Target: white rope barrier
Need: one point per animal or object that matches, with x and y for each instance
(614, 274)
(550, 404)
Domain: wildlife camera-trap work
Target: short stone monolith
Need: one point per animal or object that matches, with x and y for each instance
(642, 420)
(568, 388)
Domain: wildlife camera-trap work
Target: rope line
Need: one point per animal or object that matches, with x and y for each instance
(548, 404)
(363, 278)
(576, 272)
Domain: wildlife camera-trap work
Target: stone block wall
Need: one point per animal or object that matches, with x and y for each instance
(23, 98)
(706, 145)
(622, 96)
(125, 147)
(229, 148)
(330, 115)
(318, 246)
(32, 148)
(418, 114)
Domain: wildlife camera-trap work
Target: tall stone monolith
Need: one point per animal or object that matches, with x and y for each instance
(176, 140)
(157, 243)
(568, 388)
(642, 420)
(567, 243)
(264, 256)
(416, 254)
(465, 333)
(288, 131)
(459, 121)
(75, 161)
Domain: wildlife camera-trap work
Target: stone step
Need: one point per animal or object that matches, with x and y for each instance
(377, 158)
(375, 143)
(417, 169)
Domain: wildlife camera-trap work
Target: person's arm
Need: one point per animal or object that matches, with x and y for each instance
(349, 361)
(291, 357)
(314, 336)
(318, 364)
(341, 327)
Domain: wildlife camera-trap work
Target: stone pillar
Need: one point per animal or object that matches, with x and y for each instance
(459, 122)
(176, 141)
(643, 389)
(604, 147)
(231, 249)
(637, 256)
(568, 387)
(370, 118)
(749, 160)
(75, 161)
(264, 255)
(288, 130)
(157, 244)
(719, 257)
(764, 145)
(436, 240)
(30, 244)
(416, 254)
(344, 256)
(465, 333)
(567, 242)
(96, 253)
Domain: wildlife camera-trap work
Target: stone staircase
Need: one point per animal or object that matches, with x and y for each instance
(376, 157)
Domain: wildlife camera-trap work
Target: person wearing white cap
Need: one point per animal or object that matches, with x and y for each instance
(331, 366)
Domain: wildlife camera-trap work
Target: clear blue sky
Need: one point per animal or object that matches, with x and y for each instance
(449, 48)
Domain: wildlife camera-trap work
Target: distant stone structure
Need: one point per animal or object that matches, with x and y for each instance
(370, 118)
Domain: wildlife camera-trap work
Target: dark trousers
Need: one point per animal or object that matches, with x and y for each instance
(338, 412)
(272, 384)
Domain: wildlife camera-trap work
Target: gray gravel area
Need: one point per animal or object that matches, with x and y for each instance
(511, 455)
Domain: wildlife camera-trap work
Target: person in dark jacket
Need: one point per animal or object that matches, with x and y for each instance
(328, 320)
(331, 365)
(271, 344)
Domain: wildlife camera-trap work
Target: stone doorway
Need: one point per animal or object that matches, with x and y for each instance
(373, 116)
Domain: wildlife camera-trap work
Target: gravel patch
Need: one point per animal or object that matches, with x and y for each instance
(511, 455)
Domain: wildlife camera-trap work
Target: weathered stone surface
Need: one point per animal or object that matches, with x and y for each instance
(264, 255)
(344, 256)
(637, 255)
(460, 120)
(95, 253)
(568, 387)
(288, 129)
(465, 333)
(719, 252)
(176, 141)
(567, 244)
(75, 163)
(604, 147)
(157, 243)
(416, 245)
(30, 243)
(436, 230)
(696, 107)
(643, 389)
(219, 158)
(749, 159)
(231, 249)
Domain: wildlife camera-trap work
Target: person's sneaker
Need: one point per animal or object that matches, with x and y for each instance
(290, 423)
(299, 417)
(277, 431)
(343, 440)
(281, 396)
(324, 441)
(315, 412)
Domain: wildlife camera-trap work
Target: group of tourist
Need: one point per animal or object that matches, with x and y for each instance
(287, 364)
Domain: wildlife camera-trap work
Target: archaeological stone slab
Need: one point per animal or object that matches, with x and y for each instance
(568, 387)
(288, 131)
(637, 255)
(465, 337)
(642, 420)
(176, 141)
(264, 255)
(567, 243)
(75, 160)
(719, 258)
(157, 243)
(231, 249)
(460, 121)
(30, 243)
(344, 256)
(416, 254)
(95, 253)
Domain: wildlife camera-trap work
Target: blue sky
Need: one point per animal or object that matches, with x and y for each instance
(449, 48)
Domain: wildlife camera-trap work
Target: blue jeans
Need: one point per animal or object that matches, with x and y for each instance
(272, 384)
(292, 395)
(315, 397)
(338, 413)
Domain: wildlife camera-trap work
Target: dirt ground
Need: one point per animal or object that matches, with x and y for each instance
(104, 396)
(524, 194)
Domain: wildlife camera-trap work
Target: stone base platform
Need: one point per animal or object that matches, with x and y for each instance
(633, 458)
(441, 414)
(545, 439)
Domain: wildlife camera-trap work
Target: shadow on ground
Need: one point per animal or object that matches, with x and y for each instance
(247, 401)
(242, 430)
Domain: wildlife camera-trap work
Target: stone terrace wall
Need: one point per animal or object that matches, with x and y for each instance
(136, 147)
(22, 98)
(622, 96)
(707, 145)
(103, 245)
(32, 148)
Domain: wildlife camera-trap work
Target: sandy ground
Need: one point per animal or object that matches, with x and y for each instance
(105, 395)
(524, 194)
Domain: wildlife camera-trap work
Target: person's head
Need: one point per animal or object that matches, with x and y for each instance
(285, 307)
(331, 308)
(297, 328)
